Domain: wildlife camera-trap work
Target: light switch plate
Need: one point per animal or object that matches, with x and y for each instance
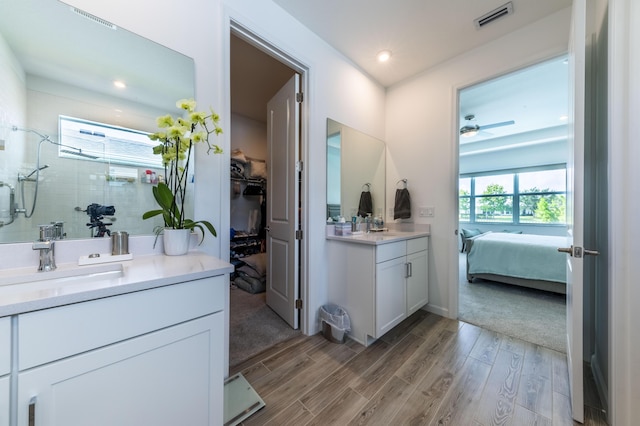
(426, 211)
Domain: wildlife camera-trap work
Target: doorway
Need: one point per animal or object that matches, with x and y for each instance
(257, 74)
(512, 180)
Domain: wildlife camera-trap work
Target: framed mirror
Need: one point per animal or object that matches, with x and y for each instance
(57, 61)
(355, 163)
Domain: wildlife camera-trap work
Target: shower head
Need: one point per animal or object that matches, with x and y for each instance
(79, 153)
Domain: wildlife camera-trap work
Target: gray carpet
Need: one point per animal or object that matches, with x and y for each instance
(253, 326)
(532, 315)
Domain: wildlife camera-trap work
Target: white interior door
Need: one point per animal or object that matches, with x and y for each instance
(282, 207)
(575, 212)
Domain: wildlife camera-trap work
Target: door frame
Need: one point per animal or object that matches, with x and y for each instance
(233, 26)
(454, 271)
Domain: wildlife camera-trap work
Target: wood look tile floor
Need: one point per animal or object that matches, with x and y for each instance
(428, 370)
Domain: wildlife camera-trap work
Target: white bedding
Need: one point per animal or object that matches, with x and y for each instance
(528, 256)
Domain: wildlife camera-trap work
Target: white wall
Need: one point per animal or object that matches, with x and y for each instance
(422, 133)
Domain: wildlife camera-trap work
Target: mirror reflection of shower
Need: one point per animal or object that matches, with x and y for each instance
(34, 175)
(22, 179)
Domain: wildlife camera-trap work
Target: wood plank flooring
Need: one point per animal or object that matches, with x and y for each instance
(428, 370)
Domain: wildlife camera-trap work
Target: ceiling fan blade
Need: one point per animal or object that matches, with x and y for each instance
(503, 123)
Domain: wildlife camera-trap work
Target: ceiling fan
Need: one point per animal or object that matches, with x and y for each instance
(469, 130)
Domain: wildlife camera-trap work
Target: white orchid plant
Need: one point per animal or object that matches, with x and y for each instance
(177, 137)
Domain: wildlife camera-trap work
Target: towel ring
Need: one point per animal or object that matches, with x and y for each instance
(404, 181)
(368, 187)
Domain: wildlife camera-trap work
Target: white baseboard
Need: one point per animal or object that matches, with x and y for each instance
(438, 310)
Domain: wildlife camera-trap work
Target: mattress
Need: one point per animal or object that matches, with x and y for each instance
(533, 257)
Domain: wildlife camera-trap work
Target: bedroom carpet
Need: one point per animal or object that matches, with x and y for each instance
(253, 326)
(532, 315)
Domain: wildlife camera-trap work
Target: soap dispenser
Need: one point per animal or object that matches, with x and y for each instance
(367, 221)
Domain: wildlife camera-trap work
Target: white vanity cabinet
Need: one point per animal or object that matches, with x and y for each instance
(149, 357)
(418, 274)
(379, 285)
(5, 369)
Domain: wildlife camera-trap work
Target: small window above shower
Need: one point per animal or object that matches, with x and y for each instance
(93, 141)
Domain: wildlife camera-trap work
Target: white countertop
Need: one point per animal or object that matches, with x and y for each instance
(382, 237)
(141, 273)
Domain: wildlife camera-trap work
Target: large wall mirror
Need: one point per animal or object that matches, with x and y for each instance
(355, 164)
(56, 61)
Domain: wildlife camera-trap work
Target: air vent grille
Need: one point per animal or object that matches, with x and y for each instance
(487, 18)
(94, 18)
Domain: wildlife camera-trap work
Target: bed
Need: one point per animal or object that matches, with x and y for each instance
(520, 259)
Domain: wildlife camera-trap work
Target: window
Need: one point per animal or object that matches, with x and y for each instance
(93, 141)
(531, 196)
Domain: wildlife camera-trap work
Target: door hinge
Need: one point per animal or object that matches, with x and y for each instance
(298, 234)
(299, 97)
(298, 303)
(299, 166)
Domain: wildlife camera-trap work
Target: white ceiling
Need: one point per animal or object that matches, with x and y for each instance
(424, 33)
(50, 40)
(420, 33)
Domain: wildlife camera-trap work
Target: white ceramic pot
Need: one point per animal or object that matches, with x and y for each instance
(176, 241)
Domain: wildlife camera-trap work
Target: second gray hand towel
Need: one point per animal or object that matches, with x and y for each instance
(402, 208)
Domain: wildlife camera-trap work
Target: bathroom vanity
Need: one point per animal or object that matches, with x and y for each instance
(141, 346)
(379, 279)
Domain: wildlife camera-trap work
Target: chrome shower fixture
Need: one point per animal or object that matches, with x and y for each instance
(27, 178)
(79, 152)
(72, 150)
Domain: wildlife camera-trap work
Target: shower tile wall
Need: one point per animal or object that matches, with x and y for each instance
(13, 101)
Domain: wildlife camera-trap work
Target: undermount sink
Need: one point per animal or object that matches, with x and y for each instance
(62, 274)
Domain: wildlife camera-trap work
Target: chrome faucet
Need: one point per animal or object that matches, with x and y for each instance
(46, 246)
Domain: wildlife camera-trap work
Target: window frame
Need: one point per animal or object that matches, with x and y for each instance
(110, 136)
(515, 195)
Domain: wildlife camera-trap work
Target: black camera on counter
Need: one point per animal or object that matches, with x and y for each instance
(97, 210)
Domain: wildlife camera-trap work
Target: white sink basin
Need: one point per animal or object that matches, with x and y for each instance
(62, 274)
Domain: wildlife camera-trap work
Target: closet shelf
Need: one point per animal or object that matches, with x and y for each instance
(247, 180)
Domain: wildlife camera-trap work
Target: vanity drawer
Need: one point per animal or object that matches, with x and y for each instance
(417, 244)
(390, 251)
(57, 333)
(5, 344)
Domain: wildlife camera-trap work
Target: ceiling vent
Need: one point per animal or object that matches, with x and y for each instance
(487, 18)
(93, 18)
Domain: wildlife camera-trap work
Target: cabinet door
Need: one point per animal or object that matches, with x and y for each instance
(168, 377)
(4, 401)
(391, 295)
(417, 282)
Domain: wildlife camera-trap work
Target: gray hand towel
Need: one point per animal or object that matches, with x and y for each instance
(366, 204)
(402, 208)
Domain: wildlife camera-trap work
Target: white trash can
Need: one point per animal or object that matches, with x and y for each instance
(335, 323)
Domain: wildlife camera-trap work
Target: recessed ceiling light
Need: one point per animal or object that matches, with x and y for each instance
(564, 117)
(384, 56)
(119, 84)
